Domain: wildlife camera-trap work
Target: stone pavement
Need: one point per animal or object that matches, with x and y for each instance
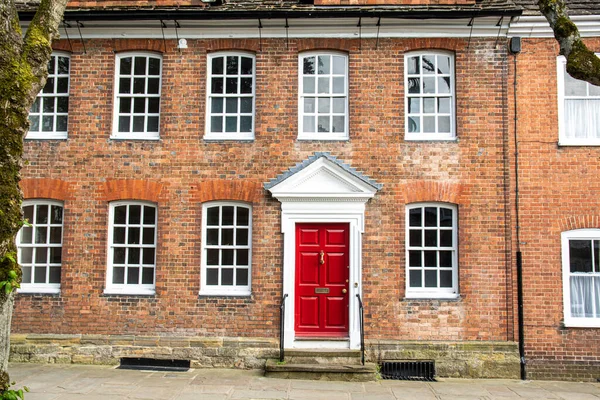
(85, 382)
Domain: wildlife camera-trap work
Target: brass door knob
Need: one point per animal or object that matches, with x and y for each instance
(344, 291)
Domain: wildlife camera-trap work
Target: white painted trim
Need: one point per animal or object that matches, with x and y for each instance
(345, 203)
(298, 28)
(536, 26)
(575, 322)
(321, 344)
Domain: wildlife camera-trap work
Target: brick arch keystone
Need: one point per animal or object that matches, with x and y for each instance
(448, 192)
(221, 189)
(46, 188)
(579, 222)
(131, 189)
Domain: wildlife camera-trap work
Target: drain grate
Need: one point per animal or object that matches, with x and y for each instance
(408, 370)
(154, 364)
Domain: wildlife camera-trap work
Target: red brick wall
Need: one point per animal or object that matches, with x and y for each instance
(558, 191)
(389, 2)
(181, 170)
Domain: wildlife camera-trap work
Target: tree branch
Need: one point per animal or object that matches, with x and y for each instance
(582, 63)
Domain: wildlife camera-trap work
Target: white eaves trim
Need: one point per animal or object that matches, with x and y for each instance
(537, 26)
(298, 28)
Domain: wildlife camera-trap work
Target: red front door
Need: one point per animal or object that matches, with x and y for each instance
(322, 272)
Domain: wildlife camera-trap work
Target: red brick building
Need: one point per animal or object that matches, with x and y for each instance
(192, 163)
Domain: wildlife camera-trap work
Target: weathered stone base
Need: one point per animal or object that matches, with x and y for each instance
(453, 359)
(584, 371)
(203, 352)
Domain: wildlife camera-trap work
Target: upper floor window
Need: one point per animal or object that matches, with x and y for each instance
(323, 102)
(48, 116)
(230, 96)
(226, 248)
(137, 96)
(131, 248)
(581, 277)
(429, 96)
(578, 109)
(431, 251)
(40, 246)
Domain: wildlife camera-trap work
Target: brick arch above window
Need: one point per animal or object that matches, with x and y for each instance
(433, 44)
(132, 189)
(120, 45)
(46, 188)
(423, 191)
(579, 222)
(325, 44)
(251, 45)
(62, 45)
(221, 189)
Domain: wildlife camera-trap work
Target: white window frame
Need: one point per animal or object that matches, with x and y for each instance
(41, 287)
(578, 234)
(424, 136)
(561, 63)
(131, 135)
(41, 97)
(437, 292)
(302, 95)
(130, 288)
(225, 290)
(238, 135)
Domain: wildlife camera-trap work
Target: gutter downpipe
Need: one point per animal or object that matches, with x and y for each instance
(521, 326)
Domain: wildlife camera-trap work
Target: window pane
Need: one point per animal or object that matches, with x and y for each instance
(429, 105)
(56, 235)
(49, 87)
(62, 104)
(246, 104)
(339, 85)
(217, 66)
(231, 124)
(124, 124)
(445, 238)
(48, 104)
(414, 65)
(444, 85)
(241, 277)
(308, 124)
(597, 257)
(147, 276)
(153, 85)
(148, 237)
(119, 255)
(63, 65)
(41, 214)
(414, 85)
(152, 124)
(39, 275)
(414, 258)
(323, 125)
(246, 85)
(415, 278)
(415, 238)
(118, 275)
(212, 257)
(446, 279)
(35, 107)
(231, 85)
(339, 105)
(61, 123)
(339, 65)
(428, 85)
(140, 66)
(139, 105)
(246, 66)
(212, 276)
(26, 275)
(232, 65)
(243, 216)
(308, 85)
(62, 85)
(216, 105)
(41, 234)
(338, 124)
(443, 64)
(445, 259)
(431, 278)
(34, 123)
(124, 85)
(216, 124)
(139, 85)
(47, 123)
(125, 67)
(133, 255)
(134, 214)
(212, 236)
(324, 64)
(55, 255)
(217, 85)
(153, 66)
(227, 237)
(580, 255)
(430, 258)
(242, 257)
(227, 217)
(133, 275)
(26, 234)
(444, 105)
(414, 217)
(309, 66)
(231, 105)
(414, 105)
(212, 216)
(227, 276)
(574, 87)
(431, 238)
(227, 257)
(323, 85)
(428, 64)
(120, 213)
(148, 256)
(149, 215)
(431, 216)
(26, 255)
(245, 124)
(324, 104)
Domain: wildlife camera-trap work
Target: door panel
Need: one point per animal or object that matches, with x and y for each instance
(321, 279)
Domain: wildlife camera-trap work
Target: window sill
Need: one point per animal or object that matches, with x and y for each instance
(38, 291)
(582, 323)
(36, 136)
(323, 139)
(224, 294)
(229, 138)
(430, 139)
(579, 144)
(430, 297)
(130, 292)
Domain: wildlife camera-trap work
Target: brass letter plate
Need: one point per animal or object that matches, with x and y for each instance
(324, 290)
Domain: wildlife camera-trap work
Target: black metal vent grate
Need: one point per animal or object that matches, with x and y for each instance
(154, 364)
(408, 370)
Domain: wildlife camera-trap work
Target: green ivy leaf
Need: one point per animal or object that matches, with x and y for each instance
(8, 288)
(12, 274)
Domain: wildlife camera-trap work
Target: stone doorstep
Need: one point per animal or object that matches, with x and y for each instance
(323, 356)
(328, 372)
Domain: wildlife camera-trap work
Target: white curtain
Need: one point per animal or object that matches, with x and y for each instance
(585, 296)
(582, 118)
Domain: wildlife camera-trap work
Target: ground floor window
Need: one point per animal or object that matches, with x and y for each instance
(581, 277)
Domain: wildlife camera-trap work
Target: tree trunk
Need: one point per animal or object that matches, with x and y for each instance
(23, 72)
(581, 62)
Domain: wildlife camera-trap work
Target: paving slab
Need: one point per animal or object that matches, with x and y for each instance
(78, 382)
